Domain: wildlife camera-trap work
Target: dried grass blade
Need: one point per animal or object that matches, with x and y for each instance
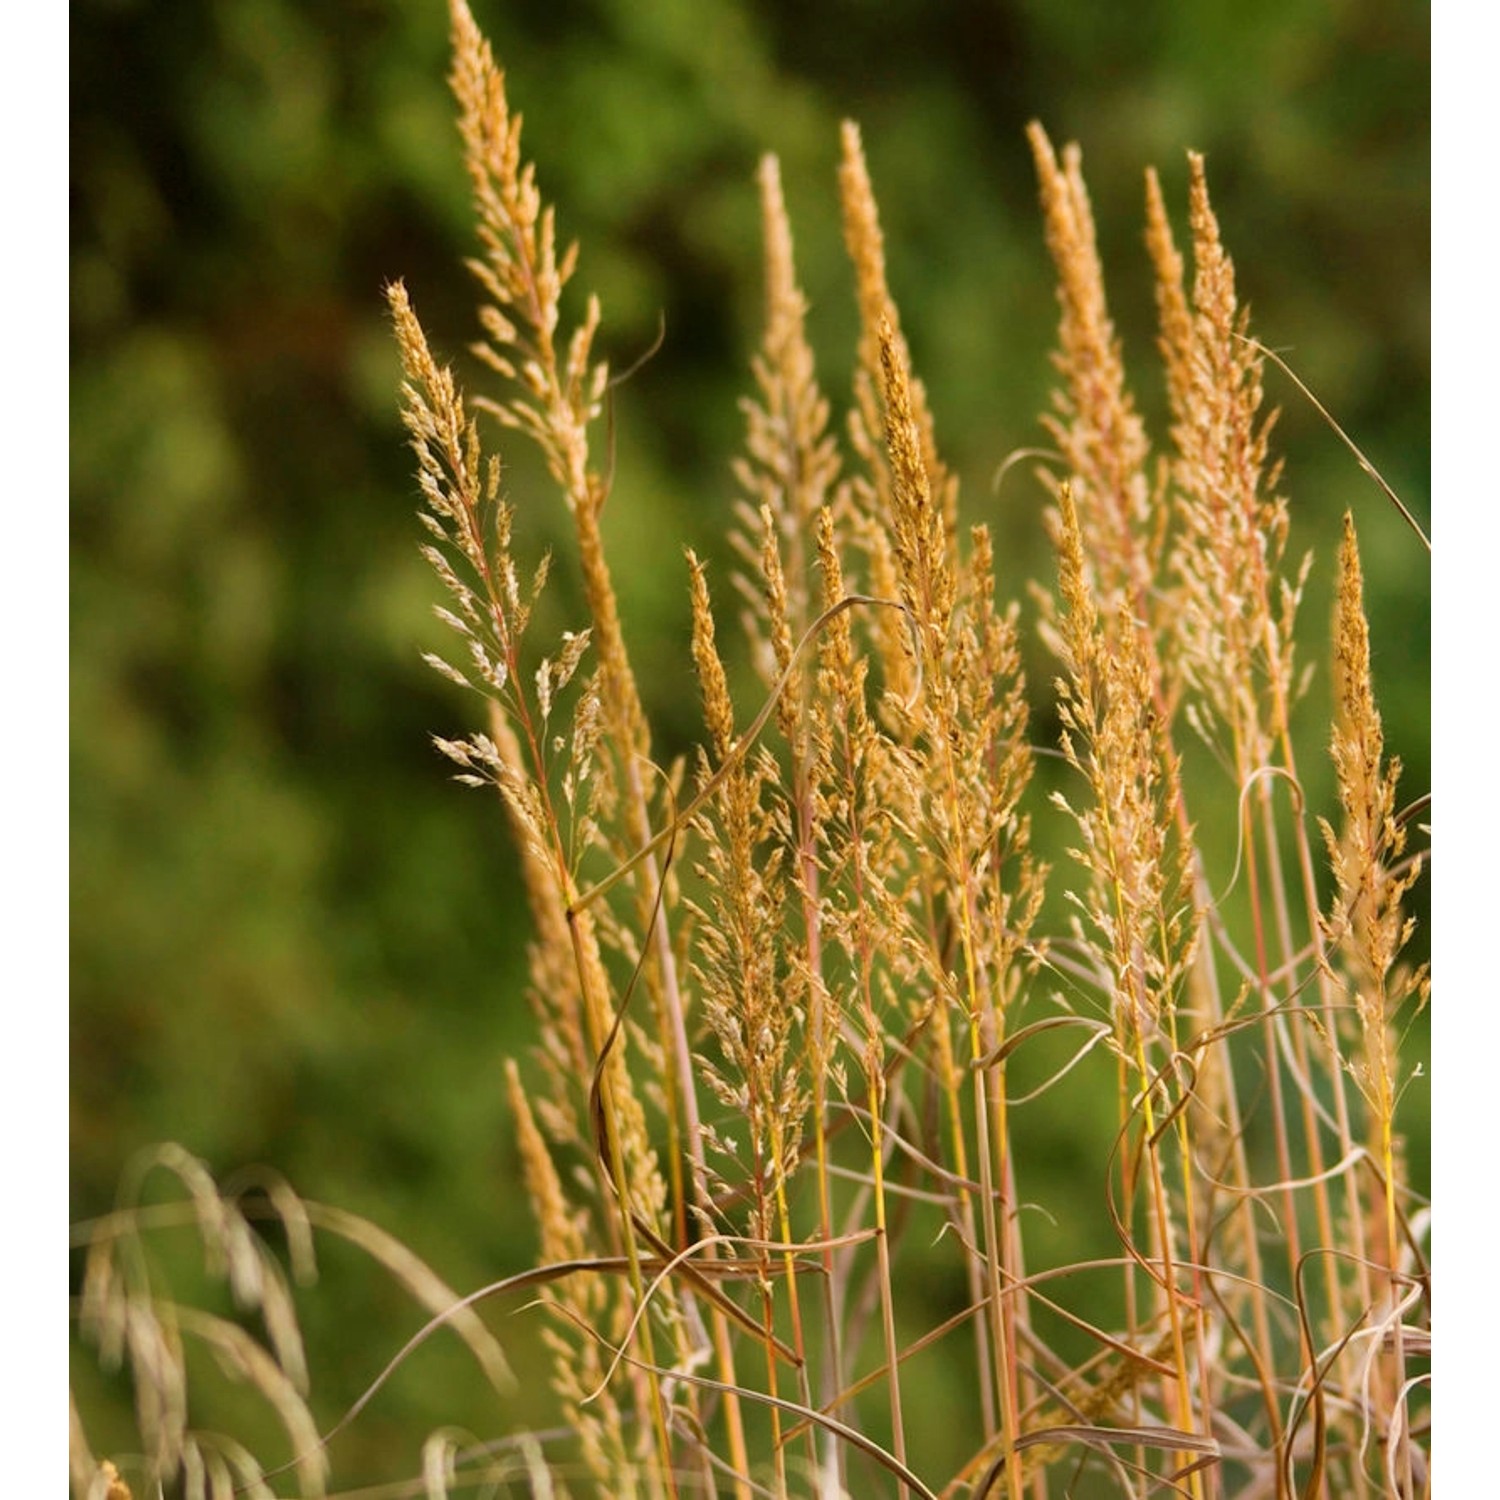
(1348, 441)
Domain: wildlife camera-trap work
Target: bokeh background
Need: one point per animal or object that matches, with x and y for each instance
(294, 940)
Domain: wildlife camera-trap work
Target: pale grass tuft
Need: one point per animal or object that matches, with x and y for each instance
(127, 1311)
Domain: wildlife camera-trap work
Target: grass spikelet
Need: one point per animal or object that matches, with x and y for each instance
(557, 397)
(1370, 876)
(1237, 617)
(788, 473)
(1112, 735)
(748, 1000)
(927, 586)
(1366, 925)
(792, 461)
(866, 245)
(1174, 317)
(1094, 422)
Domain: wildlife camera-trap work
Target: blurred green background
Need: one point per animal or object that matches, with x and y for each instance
(294, 940)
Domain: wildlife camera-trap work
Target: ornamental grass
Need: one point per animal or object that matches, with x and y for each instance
(796, 994)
